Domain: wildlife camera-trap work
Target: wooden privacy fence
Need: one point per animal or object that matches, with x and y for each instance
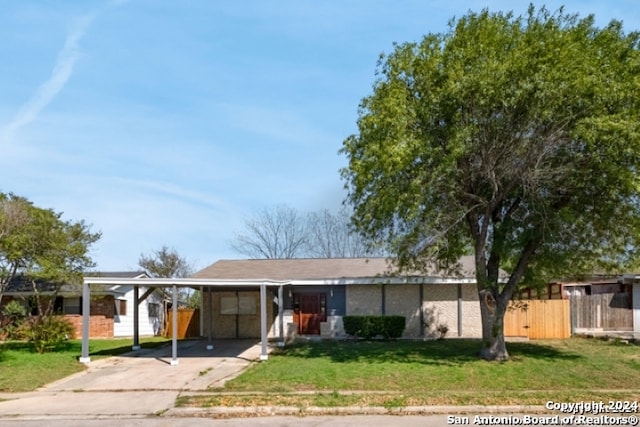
(538, 319)
(188, 323)
(607, 312)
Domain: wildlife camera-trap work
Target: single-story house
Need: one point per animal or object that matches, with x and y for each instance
(280, 298)
(319, 292)
(111, 308)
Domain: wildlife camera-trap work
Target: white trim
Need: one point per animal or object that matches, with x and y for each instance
(383, 281)
(159, 282)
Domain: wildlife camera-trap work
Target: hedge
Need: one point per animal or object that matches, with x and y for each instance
(368, 327)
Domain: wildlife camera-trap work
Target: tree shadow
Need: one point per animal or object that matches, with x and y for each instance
(436, 352)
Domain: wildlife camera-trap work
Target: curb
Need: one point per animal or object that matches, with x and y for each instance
(266, 411)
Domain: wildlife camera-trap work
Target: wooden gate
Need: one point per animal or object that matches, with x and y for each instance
(538, 319)
(188, 323)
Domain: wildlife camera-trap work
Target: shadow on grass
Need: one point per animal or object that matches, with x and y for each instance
(439, 352)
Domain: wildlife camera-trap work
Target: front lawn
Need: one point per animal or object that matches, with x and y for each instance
(435, 372)
(22, 369)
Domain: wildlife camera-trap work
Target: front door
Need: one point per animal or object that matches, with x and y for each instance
(308, 311)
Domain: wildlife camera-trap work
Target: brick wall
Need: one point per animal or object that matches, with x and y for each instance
(99, 326)
(102, 311)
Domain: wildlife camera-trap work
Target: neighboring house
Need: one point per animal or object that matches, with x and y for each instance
(318, 293)
(111, 307)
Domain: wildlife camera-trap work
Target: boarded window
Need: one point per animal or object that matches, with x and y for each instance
(238, 305)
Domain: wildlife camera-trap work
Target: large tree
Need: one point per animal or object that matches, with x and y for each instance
(39, 245)
(516, 139)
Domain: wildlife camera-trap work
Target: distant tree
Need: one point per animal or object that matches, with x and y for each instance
(165, 262)
(330, 235)
(516, 138)
(168, 263)
(278, 232)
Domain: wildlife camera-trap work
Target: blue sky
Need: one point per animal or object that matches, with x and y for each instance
(170, 122)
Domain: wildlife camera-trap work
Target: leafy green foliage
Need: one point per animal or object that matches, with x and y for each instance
(367, 327)
(513, 138)
(13, 316)
(39, 244)
(47, 333)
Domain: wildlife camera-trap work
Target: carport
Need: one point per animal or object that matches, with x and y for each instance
(202, 284)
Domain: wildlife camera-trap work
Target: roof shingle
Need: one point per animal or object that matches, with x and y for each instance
(316, 269)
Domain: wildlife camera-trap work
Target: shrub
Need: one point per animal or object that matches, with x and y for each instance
(48, 333)
(367, 327)
(13, 316)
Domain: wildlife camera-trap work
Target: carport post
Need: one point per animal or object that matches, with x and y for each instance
(281, 314)
(263, 320)
(136, 318)
(174, 336)
(209, 318)
(86, 299)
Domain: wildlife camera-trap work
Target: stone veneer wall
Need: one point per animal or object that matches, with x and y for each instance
(439, 304)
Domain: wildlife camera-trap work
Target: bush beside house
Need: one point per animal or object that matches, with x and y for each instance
(368, 327)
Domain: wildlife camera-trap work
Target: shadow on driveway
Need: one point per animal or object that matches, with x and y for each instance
(150, 369)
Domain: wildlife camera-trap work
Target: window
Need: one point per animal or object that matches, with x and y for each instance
(71, 305)
(238, 305)
(154, 309)
(121, 307)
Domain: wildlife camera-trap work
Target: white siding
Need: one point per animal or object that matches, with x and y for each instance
(123, 324)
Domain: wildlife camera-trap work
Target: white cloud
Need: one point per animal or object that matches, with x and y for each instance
(61, 73)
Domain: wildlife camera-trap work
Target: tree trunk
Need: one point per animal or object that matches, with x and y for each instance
(492, 313)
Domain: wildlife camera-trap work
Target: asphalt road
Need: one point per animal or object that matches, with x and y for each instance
(325, 421)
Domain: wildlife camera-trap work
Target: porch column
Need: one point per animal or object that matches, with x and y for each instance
(86, 316)
(263, 321)
(201, 311)
(459, 309)
(635, 301)
(210, 318)
(136, 318)
(281, 314)
(421, 297)
(174, 325)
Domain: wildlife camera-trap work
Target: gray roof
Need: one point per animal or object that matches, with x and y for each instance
(22, 284)
(122, 274)
(319, 269)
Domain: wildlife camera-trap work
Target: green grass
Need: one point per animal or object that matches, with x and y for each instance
(434, 372)
(22, 369)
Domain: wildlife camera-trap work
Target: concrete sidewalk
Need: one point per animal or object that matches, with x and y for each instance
(137, 384)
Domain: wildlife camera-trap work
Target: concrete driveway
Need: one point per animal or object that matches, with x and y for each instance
(140, 383)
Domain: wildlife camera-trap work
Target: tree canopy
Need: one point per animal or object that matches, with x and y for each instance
(38, 243)
(513, 138)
